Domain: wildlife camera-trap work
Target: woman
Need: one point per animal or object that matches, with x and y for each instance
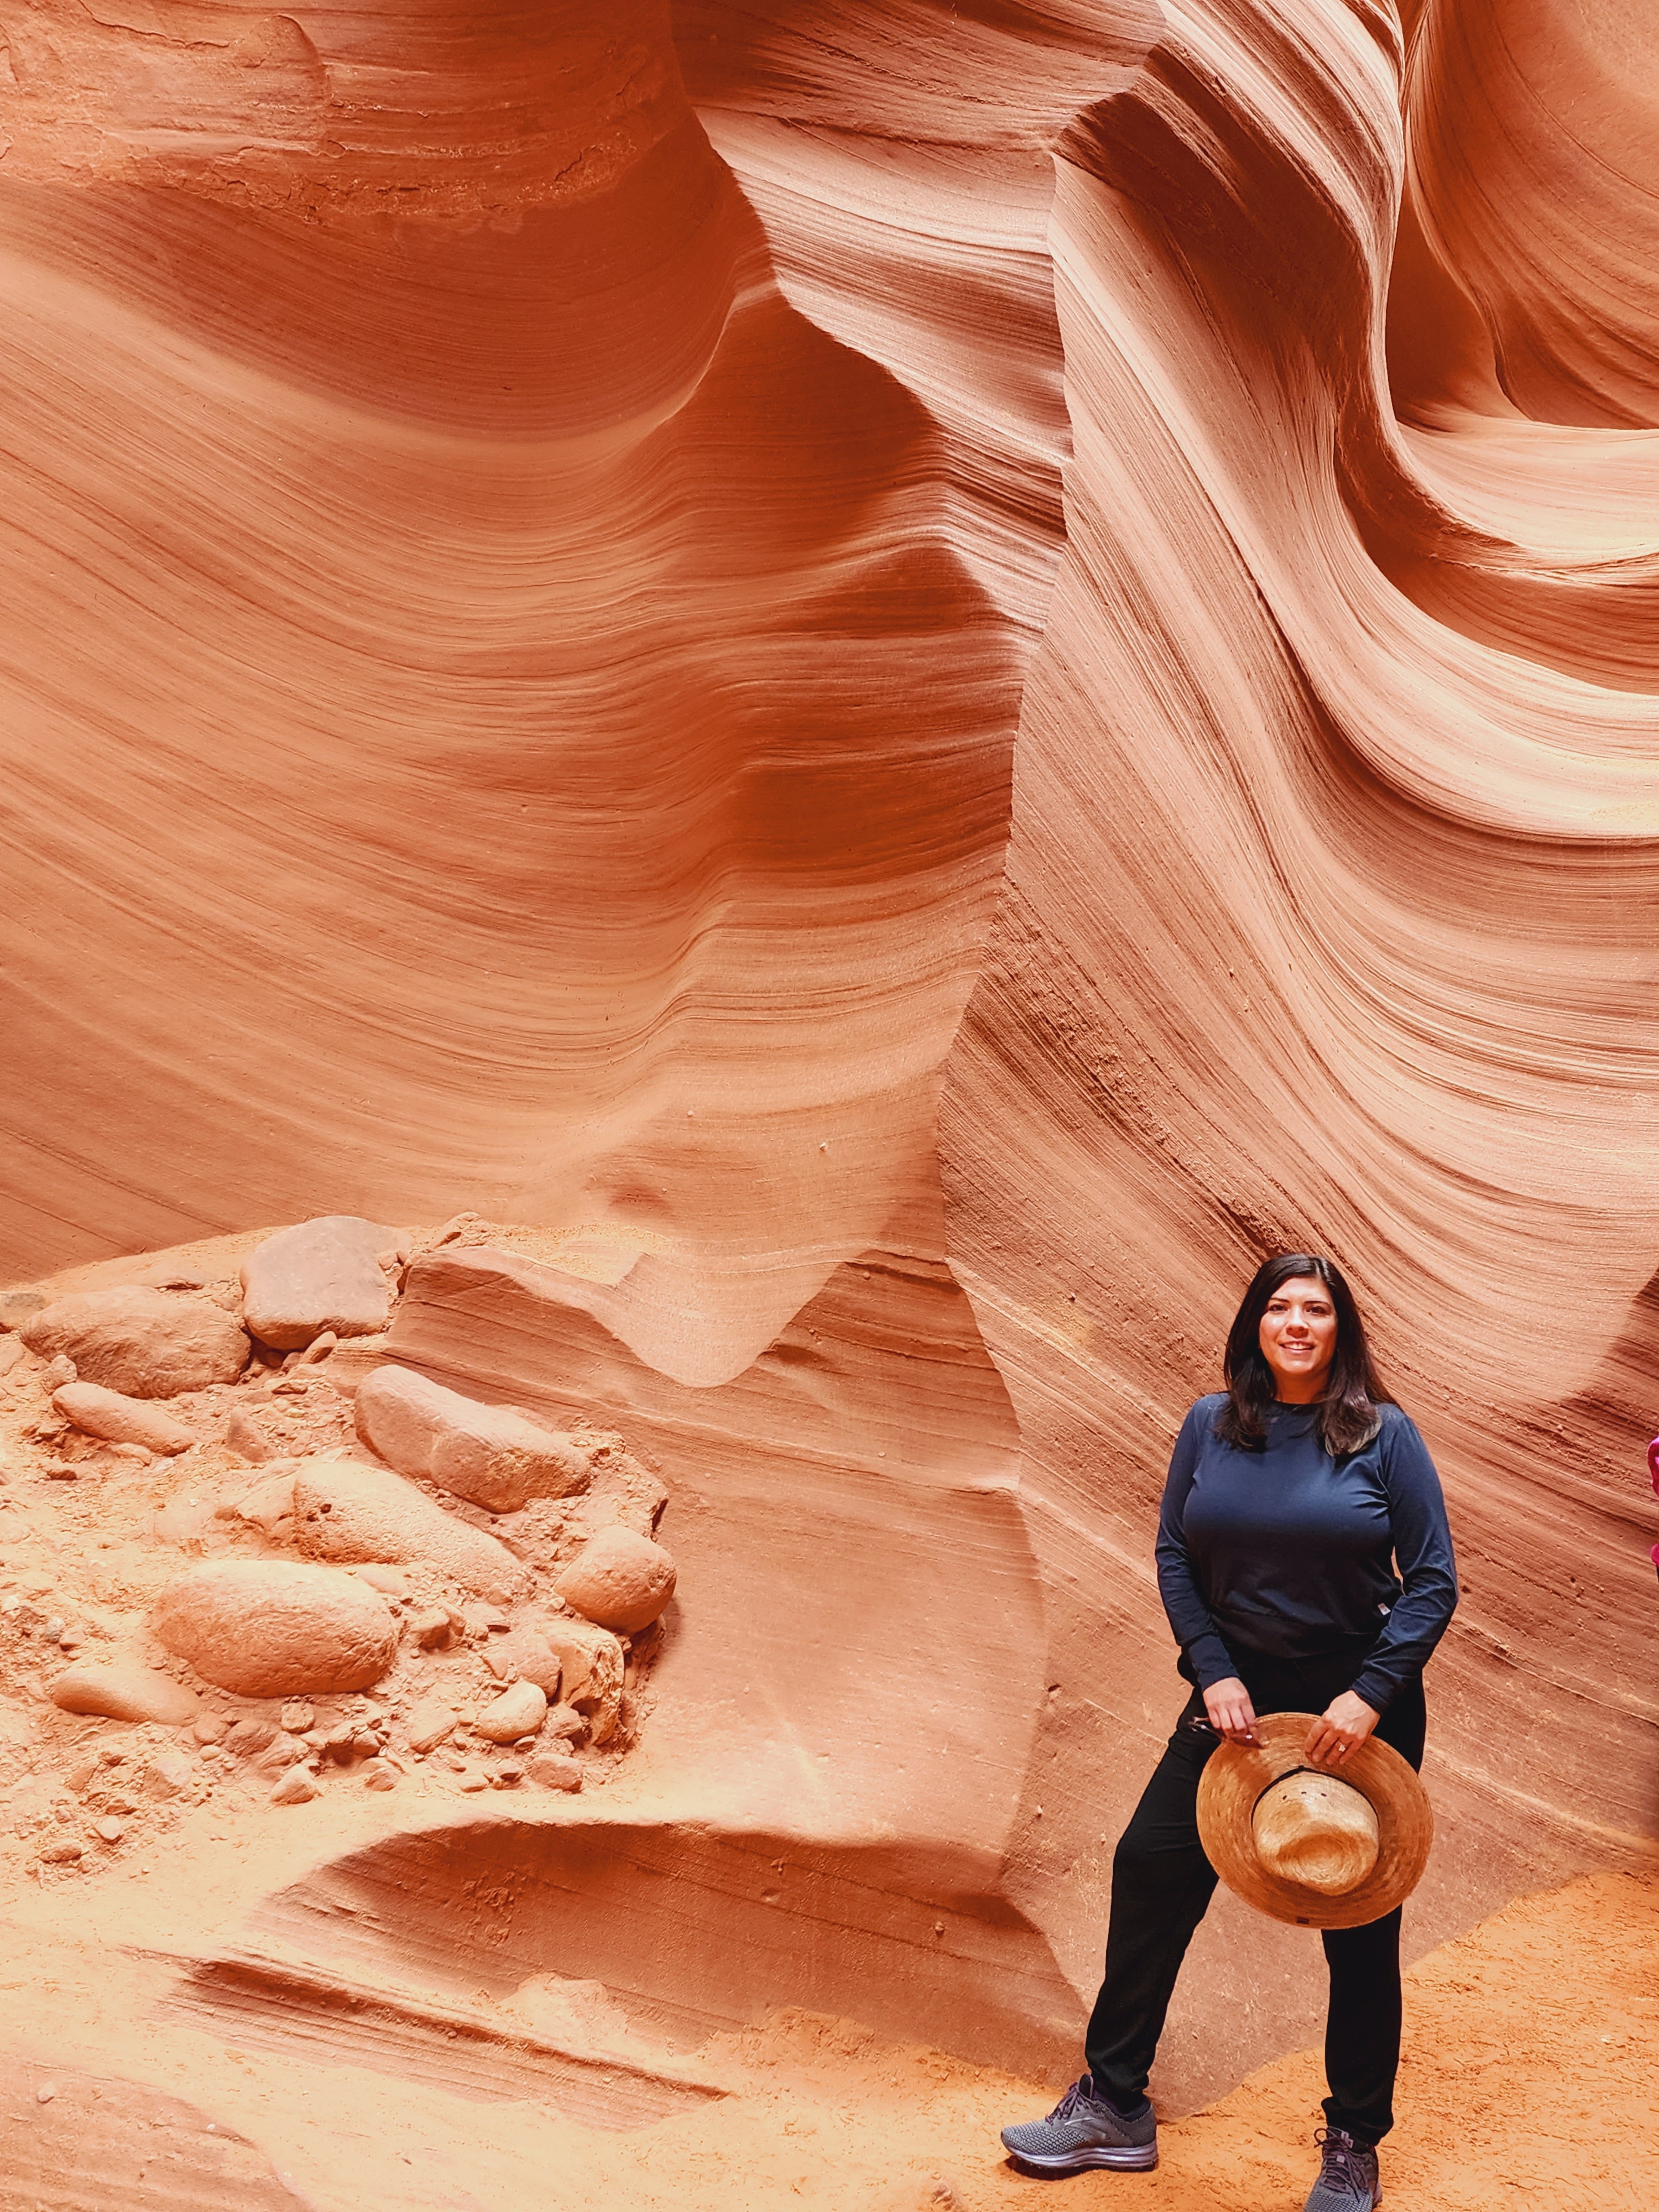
(1291, 1497)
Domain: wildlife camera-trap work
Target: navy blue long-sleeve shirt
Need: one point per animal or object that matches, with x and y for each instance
(1288, 1552)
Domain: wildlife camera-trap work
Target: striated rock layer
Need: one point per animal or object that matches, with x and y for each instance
(919, 676)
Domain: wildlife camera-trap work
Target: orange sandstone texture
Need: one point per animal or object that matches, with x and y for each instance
(907, 679)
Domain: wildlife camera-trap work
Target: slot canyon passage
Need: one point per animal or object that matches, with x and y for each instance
(738, 741)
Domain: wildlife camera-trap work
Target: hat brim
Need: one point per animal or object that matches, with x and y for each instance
(1233, 1778)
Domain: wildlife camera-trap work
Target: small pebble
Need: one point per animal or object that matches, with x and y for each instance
(298, 1716)
(245, 1439)
(554, 1771)
(295, 1788)
(64, 1854)
(46, 2093)
(245, 1737)
(170, 1773)
(519, 1711)
(110, 1831)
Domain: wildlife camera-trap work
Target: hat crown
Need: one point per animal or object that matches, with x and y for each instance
(1315, 1830)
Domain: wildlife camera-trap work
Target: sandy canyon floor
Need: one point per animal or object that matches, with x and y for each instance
(1528, 2082)
(199, 2010)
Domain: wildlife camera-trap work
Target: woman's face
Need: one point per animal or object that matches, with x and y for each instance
(1299, 1337)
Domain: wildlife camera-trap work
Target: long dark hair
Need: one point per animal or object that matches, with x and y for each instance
(1348, 1411)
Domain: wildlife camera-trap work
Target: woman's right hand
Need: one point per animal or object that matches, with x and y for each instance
(1231, 1714)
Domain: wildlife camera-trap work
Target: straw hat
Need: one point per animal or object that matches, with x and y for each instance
(1320, 1847)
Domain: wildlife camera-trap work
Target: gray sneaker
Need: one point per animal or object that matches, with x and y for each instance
(1348, 2180)
(1081, 2133)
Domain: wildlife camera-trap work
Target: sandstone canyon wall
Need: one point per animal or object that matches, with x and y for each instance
(918, 677)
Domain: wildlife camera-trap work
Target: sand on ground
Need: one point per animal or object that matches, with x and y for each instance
(1528, 2082)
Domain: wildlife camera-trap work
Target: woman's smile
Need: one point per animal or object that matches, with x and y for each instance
(1299, 1337)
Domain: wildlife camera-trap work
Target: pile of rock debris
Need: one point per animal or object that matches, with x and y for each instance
(333, 1568)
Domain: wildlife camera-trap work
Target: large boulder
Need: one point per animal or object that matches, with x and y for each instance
(493, 1455)
(321, 1274)
(125, 1693)
(620, 1579)
(149, 1344)
(119, 1420)
(347, 1510)
(273, 1628)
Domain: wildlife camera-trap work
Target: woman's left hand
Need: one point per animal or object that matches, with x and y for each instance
(1343, 1726)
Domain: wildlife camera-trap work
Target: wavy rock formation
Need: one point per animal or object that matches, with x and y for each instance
(918, 676)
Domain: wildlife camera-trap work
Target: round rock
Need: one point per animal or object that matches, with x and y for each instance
(270, 1628)
(619, 1579)
(518, 1711)
(149, 1343)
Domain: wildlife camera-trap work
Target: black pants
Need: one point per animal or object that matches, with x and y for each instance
(1162, 1884)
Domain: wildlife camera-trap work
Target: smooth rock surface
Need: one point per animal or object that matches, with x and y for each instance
(620, 1579)
(516, 1712)
(493, 1455)
(321, 1274)
(948, 669)
(145, 1343)
(125, 1692)
(119, 1419)
(429, 1723)
(272, 1628)
(347, 1510)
